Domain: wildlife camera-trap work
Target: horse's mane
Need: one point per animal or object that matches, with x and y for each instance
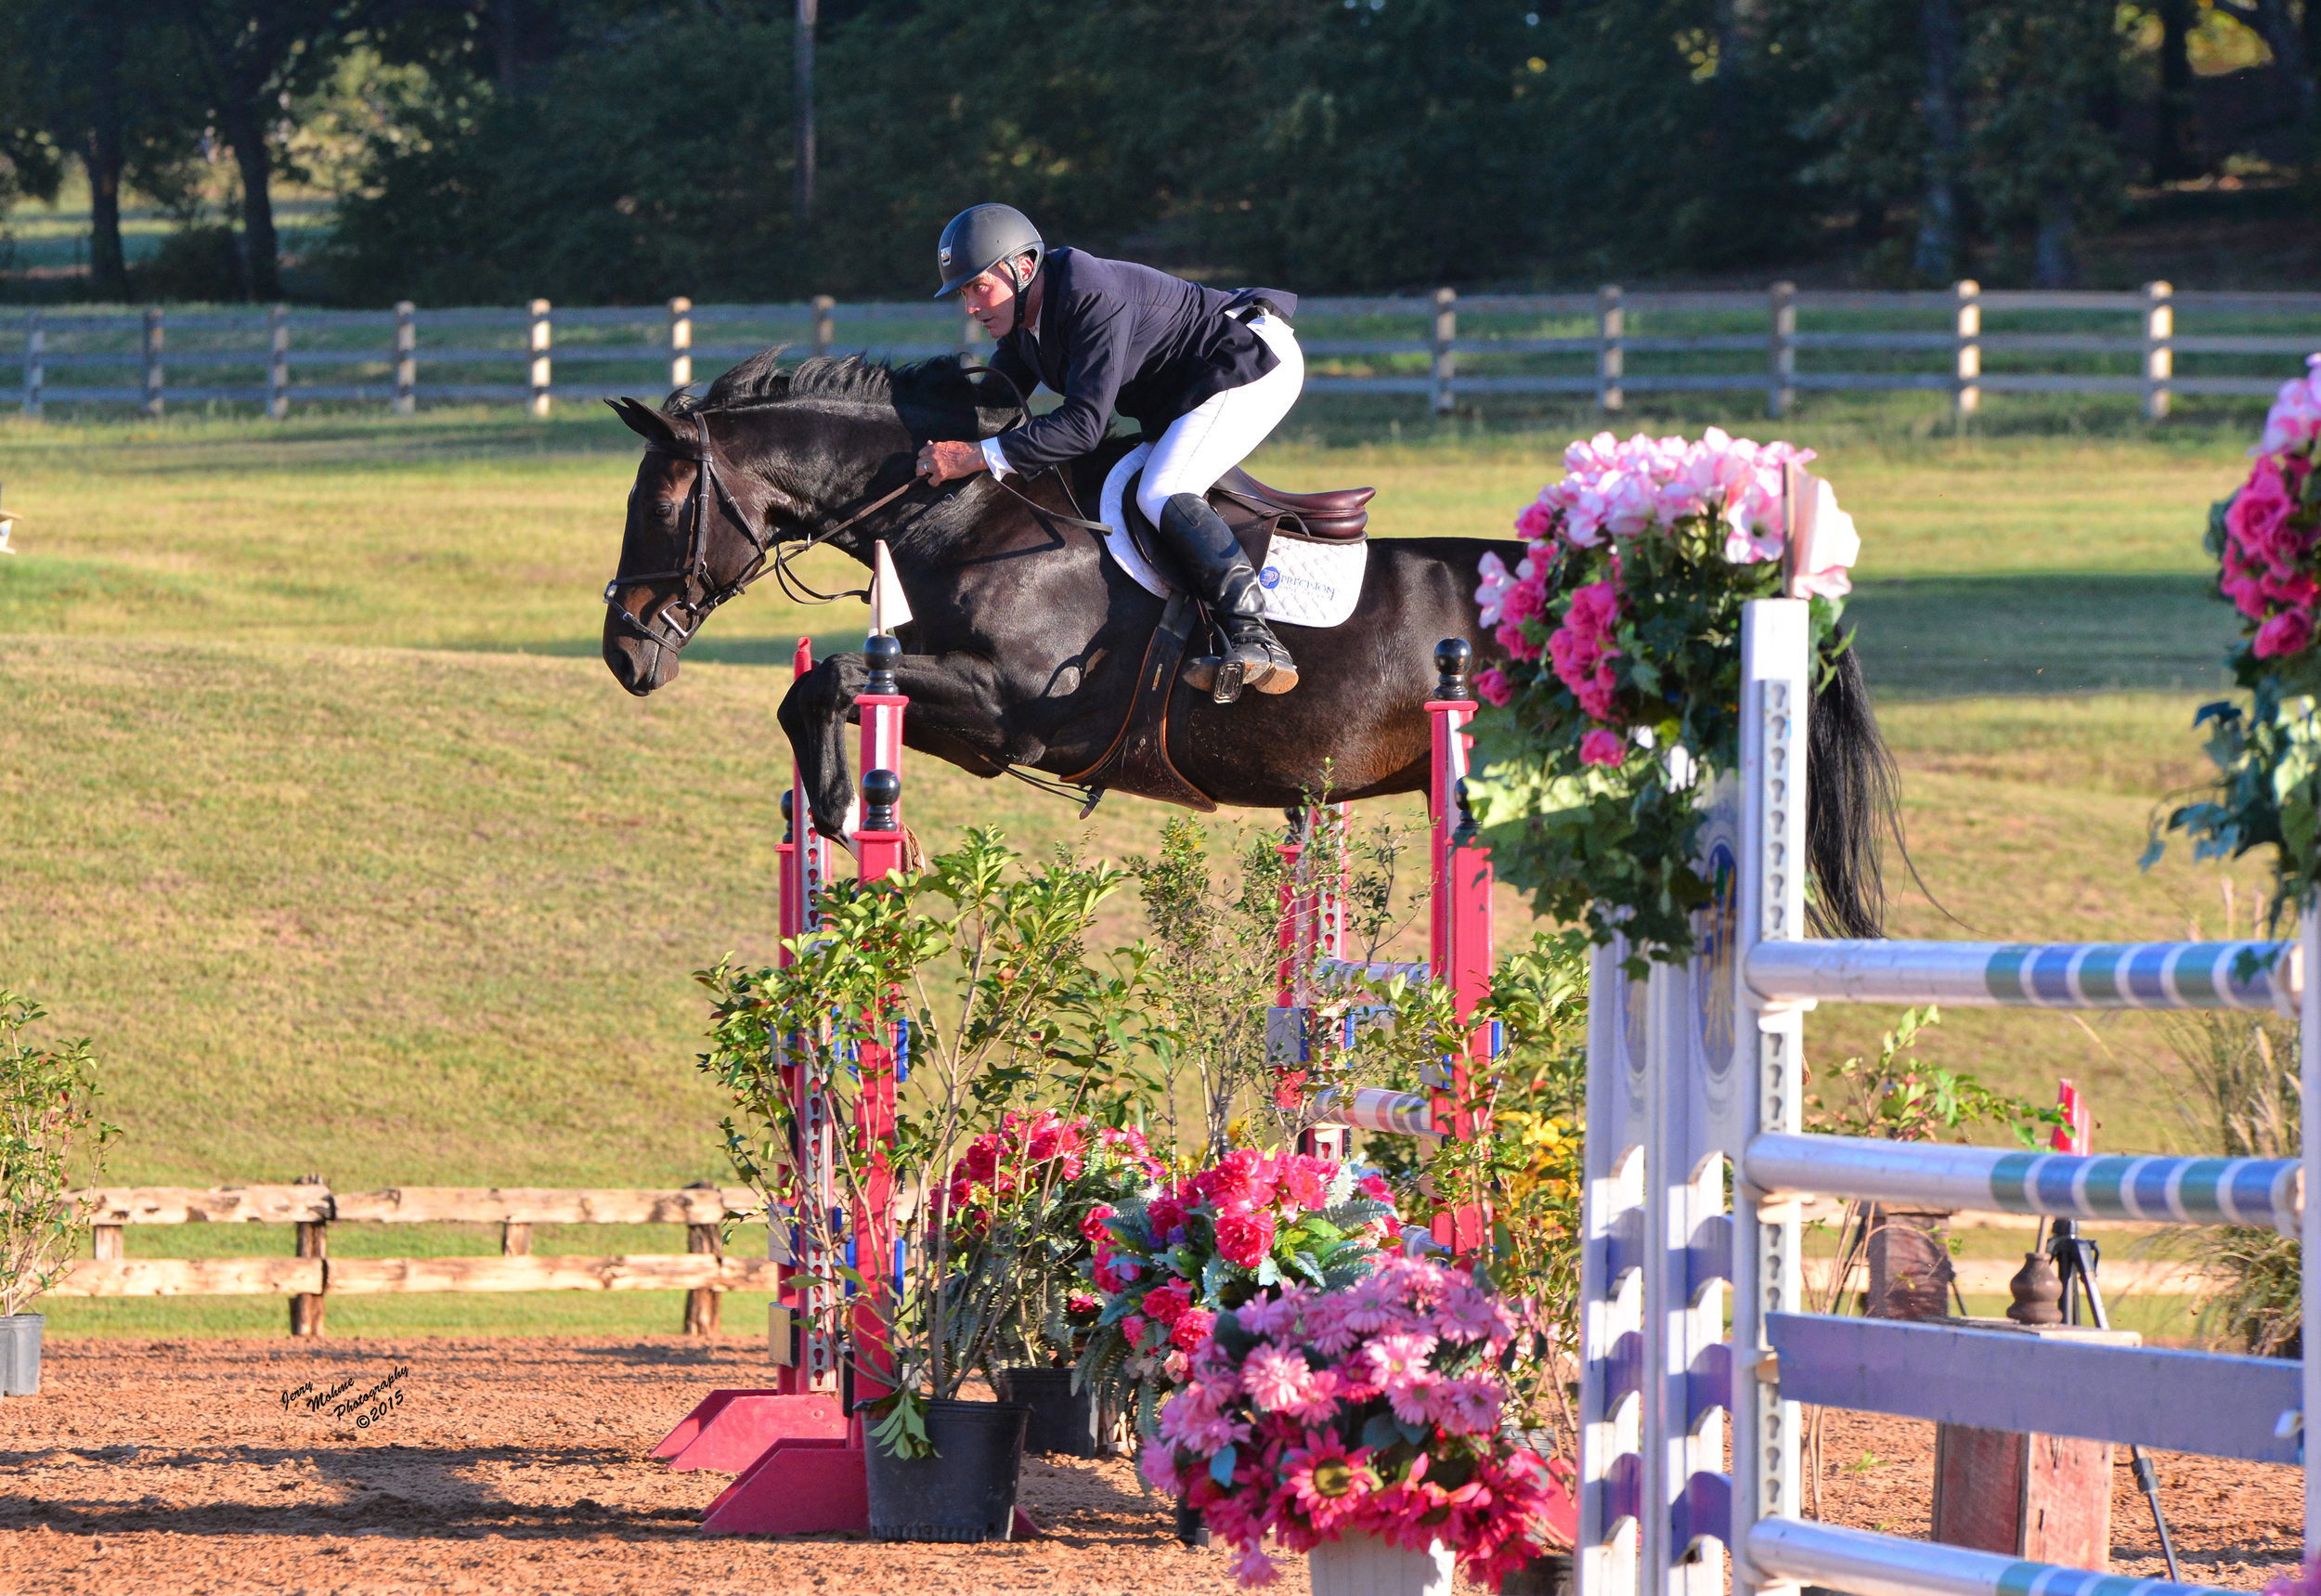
(930, 394)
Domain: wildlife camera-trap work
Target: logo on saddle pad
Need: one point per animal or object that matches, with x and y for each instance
(1269, 577)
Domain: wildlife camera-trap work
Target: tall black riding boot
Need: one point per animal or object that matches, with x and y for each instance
(1226, 582)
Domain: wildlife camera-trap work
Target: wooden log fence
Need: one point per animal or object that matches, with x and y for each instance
(1471, 347)
(311, 1277)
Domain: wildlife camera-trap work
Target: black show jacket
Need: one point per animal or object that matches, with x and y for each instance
(1116, 336)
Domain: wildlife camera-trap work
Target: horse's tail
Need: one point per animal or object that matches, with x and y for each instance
(1852, 801)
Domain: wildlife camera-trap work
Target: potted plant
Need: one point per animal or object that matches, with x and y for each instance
(1029, 1199)
(925, 1010)
(1362, 1428)
(47, 1103)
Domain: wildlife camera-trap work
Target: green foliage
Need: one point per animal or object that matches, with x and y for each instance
(629, 176)
(2244, 1102)
(988, 966)
(2267, 755)
(47, 1103)
(1896, 1098)
(1212, 969)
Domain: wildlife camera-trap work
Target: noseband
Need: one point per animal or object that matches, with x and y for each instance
(664, 627)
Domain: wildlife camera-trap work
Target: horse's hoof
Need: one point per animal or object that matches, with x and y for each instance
(1227, 689)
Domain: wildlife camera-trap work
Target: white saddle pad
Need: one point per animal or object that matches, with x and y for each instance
(1306, 583)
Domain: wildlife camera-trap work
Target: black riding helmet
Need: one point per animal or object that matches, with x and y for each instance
(980, 238)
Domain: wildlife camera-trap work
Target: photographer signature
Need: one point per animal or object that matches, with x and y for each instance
(366, 1406)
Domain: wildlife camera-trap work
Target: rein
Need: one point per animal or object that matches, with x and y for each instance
(665, 628)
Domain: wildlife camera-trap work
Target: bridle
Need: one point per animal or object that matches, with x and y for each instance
(664, 627)
(772, 554)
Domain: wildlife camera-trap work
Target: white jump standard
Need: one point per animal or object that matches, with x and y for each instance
(1699, 1067)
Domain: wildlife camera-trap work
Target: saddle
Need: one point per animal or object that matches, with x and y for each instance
(1256, 514)
(1139, 759)
(1340, 515)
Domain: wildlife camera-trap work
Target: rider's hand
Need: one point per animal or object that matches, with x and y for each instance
(947, 461)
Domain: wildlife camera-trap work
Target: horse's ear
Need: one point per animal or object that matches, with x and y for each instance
(648, 423)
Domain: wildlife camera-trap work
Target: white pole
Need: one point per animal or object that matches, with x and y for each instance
(1769, 1047)
(154, 333)
(1967, 394)
(1780, 377)
(541, 335)
(35, 372)
(277, 362)
(406, 359)
(680, 342)
(1445, 361)
(1611, 353)
(2159, 355)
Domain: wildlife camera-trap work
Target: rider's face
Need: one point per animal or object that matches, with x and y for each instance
(990, 299)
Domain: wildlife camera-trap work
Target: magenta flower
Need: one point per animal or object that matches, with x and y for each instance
(1245, 1237)
(1493, 688)
(1601, 747)
(2285, 634)
(2258, 518)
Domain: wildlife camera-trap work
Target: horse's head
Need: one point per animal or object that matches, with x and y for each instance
(693, 538)
(769, 453)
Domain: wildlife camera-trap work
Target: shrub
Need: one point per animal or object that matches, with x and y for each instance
(47, 1105)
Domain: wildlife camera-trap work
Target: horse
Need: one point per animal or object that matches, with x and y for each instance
(1027, 638)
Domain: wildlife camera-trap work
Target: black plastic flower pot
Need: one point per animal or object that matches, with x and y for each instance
(1063, 1421)
(1550, 1574)
(19, 1354)
(966, 1491)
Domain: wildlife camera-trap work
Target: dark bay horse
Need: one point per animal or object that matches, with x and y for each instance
(1027, 636)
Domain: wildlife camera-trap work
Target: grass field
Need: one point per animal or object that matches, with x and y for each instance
(323, 818)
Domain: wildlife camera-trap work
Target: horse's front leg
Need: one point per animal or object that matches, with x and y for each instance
(958, 713)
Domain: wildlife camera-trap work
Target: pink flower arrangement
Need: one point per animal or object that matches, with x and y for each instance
(1619, 491)
(1247, 1225)
(1613, 493)
(1372, 1409)
(1620, 624)
(2269, 527)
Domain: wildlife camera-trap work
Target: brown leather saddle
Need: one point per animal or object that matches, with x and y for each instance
(1139, 759)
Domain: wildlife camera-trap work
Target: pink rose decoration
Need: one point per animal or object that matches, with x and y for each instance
(1191, 1328)
(1493, 687)
(2287, 632)
(1245, 1237)
(1601, 747)
(2258, 519)
(1168, 1304)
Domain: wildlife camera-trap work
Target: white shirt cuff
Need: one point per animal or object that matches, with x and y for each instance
(996, 458)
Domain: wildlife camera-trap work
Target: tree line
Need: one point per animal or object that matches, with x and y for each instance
(628, 150)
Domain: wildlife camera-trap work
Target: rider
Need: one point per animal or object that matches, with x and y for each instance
(1206, 372)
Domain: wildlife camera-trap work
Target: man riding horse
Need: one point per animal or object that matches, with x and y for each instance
(1209, 375)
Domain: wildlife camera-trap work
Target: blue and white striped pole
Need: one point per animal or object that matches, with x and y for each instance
(2028, 974)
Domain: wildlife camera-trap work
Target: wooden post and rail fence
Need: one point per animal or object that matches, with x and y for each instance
(1458, 348)
(311, 1277)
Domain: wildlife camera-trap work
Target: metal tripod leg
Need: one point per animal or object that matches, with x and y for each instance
(2075, 1258)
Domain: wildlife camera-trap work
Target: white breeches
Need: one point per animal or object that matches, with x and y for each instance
(1226, 428)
